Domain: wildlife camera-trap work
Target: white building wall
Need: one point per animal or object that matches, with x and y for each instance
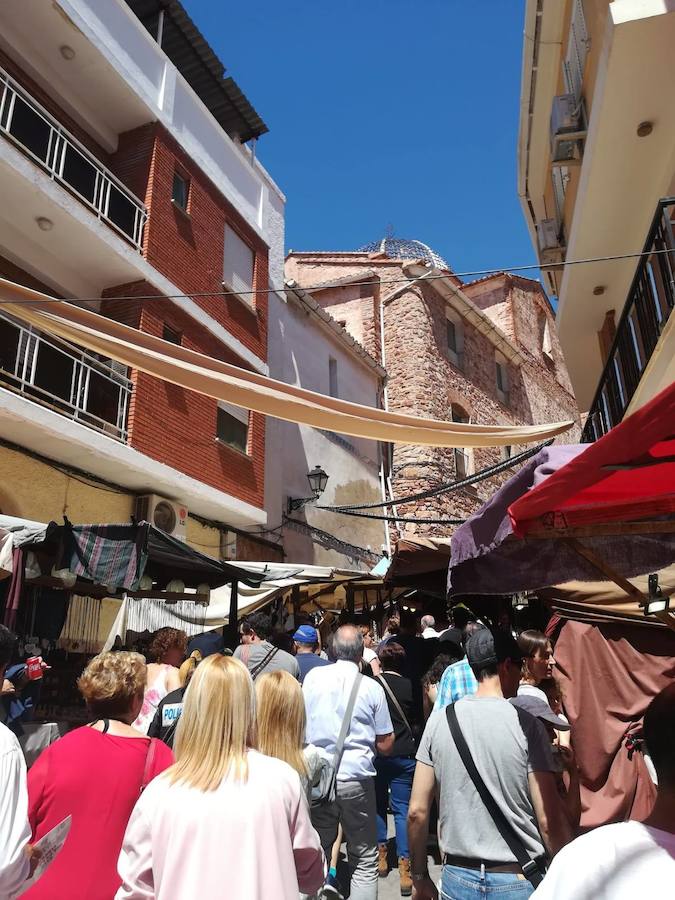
(300, 346)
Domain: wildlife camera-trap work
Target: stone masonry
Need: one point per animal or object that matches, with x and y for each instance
(423, 379)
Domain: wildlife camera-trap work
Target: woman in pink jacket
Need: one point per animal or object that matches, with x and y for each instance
(224, 820)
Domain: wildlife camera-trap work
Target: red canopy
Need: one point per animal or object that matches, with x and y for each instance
(628, 474)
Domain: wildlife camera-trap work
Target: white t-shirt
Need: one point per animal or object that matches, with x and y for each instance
(14, 827)
(326, 690)
(369, 654)
(617, 862)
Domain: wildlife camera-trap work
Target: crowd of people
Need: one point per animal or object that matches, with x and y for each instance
(207, 772)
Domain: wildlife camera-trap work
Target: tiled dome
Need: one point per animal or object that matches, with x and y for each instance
(401, 248)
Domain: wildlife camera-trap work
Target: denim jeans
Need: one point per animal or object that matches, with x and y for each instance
(355, 809)
(472, 884)
(395, 774)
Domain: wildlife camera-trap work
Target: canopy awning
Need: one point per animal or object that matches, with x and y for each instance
(317, 588)
(627, 475)
(211, 377)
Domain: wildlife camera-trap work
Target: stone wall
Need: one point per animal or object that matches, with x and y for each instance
(422, 380)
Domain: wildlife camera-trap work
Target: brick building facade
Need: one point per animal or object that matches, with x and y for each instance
(484, 352)
(125, 174)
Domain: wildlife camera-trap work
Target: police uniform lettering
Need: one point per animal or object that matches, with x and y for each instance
(171, 714)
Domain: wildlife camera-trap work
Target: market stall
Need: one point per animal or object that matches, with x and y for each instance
(592, 529)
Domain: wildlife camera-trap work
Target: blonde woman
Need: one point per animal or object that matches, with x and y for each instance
(224, 820)
(280, 715)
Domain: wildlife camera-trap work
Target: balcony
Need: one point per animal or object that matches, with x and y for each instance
(63, 378)
(39, 136)
(645, 316)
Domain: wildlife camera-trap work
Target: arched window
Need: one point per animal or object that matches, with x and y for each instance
(463, 455)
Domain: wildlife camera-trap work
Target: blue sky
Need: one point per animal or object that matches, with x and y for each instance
(385, 113)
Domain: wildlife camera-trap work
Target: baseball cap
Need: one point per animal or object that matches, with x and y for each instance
(306, 634)
(540, 709)
(488, 647)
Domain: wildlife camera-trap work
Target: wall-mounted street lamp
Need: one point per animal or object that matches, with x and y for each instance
(317, 484)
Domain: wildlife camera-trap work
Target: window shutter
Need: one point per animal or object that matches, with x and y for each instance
(238, 264)
(577, 51)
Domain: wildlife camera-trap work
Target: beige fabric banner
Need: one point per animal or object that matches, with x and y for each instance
(217, 379)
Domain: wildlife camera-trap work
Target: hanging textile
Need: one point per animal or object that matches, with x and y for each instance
(231, 384)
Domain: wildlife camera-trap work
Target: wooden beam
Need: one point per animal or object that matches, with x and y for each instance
(618, 579)
(605, 529)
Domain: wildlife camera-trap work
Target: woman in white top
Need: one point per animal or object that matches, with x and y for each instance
(224, 820)
(166, 652)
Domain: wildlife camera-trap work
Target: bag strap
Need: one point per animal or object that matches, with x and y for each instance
(398, 706)
(149, 762)
(257, 669)
(529, 866)
(346, 722)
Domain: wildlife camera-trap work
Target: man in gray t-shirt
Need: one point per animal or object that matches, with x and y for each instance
(512, 753)
(257, 653)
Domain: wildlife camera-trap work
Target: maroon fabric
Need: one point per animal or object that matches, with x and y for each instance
(15, 588)
(608, 675)
(627, 474)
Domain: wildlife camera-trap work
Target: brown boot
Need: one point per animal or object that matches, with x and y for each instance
(382, 864)
(404, 875)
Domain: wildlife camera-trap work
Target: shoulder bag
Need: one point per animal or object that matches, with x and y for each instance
(324, 787)
(531, 868)
(397, 705)
(257, 669)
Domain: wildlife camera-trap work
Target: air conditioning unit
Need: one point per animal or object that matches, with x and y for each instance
(547, 235)
(167, 515)
(568, 130)
(548, 238)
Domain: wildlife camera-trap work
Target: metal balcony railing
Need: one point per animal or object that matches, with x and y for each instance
(649, 305)
(41, 137)
(64, 378)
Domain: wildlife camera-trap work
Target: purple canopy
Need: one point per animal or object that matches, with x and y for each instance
(487, 558)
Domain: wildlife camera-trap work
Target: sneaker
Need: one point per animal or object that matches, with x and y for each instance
(331, 889)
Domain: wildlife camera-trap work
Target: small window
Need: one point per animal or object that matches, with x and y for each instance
(238, 263)
(507, 452)
(173, 337)
(333, 377)
(502, 380)
(232, 426)
(452, 336)
(181, 190)
(461, 464)
(454, 339)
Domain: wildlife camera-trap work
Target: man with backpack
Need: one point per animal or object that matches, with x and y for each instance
(500, 815)
(348, 720)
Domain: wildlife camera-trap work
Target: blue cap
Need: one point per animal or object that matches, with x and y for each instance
(306, 635)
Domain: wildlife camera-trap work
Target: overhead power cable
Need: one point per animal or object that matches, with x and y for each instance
(482, 475)
(412, 520)
(275, 290)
